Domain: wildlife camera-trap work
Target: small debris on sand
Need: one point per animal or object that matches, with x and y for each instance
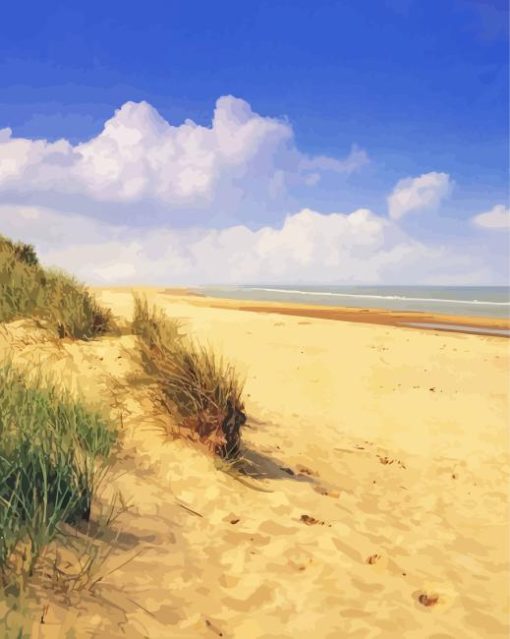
(388, 461)
(428, 600)
(311, 521)
(214, 628)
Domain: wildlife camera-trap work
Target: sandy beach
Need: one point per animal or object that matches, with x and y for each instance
(456, 323)
(255, 320)
(378, 503)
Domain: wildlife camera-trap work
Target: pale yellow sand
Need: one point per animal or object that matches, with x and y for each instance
(399, 442)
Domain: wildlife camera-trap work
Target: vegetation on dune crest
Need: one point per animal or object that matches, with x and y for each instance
(200, 389)
(23, 252)
(53, 452)
(26, 289)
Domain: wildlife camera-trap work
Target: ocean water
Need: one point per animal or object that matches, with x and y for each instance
(484, 301)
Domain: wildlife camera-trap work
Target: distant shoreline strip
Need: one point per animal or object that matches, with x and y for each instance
(376, 297)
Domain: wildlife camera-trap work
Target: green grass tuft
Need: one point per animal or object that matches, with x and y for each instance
(53, 452)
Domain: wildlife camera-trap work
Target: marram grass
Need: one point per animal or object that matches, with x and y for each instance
(53, 451)
(200, 389)
(28, 290)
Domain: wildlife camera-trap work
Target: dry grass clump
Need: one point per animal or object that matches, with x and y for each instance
(26, 289)
(199, 388)
(53, 453)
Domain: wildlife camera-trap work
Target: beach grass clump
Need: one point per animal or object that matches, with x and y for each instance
(53, 453)
(72, 309)
(200, 389)
(28, 290)
(23, 252)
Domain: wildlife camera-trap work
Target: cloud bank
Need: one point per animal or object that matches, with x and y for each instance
(243, 161)
(309, 247)
(145, 201)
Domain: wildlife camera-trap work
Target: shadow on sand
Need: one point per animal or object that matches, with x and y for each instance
(261, 466)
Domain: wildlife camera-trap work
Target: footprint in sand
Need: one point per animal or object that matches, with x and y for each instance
(428, 599)
(304, 470)
(311, 521)
(434, 596)
(326, 492)
(379, 562)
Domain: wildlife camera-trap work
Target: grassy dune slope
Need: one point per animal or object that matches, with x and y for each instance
(53, 449)
(57, 299)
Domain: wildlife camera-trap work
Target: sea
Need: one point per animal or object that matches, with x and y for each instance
(464, 301)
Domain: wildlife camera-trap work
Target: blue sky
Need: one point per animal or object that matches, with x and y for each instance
(393, 89)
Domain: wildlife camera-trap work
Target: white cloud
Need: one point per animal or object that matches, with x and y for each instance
(356, 159)
(497, 218)
(119, 208)
(420, 193)
(310, 247)
(241, 159)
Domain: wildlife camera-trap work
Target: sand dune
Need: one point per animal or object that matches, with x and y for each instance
(378, 505)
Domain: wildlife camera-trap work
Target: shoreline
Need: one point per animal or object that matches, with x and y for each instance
(473, 325)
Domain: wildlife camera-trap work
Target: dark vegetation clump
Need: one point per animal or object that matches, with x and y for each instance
(52, 451)
(28, 290)
(197, 387)
(23, 252)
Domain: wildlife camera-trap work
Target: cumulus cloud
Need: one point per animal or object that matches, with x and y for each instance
(420, 193)
(497, 218)
(309, 247)
(139, 157)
